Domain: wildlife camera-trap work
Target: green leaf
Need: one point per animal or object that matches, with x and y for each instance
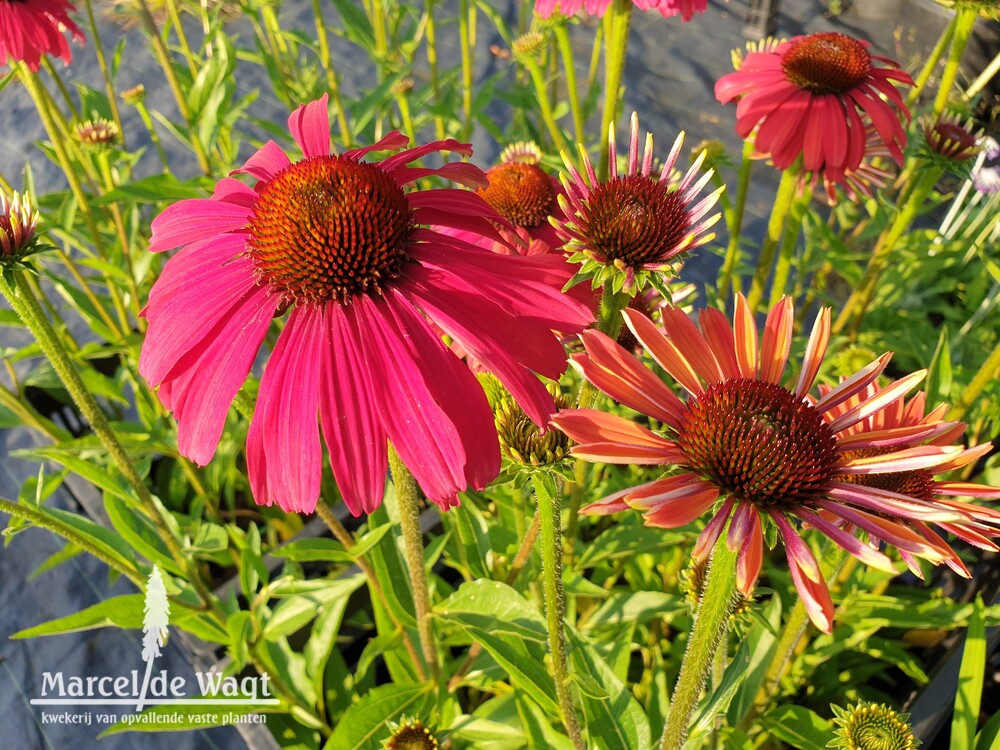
(470, 539)
(364, 725)
(157, 189)
(799, 727)
(989, 736)
(636, 607)
(720, 697)
(83, 467)
(495, 605)
(118, 611)
(537, 727)
(939, 377)
(627, 540)
(615, 721)
(296, 611)
(510, 629)
(970, 682)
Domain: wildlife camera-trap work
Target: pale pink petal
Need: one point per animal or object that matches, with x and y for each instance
(815, 351)
(663, 351)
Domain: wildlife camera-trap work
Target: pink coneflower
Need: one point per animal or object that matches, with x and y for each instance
(929, 429)
(813, 97)
(31, 29)
(337, 240)
(667, 8)
(635, 223)
(523, 194)
(759, 452)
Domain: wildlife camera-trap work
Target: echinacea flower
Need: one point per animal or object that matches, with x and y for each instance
(812, 97)
(31, 29)
(667, 8)
(523, 194)
(930, 429)
(856, 183)
(634, 225)
(339, 241)
(18, 221)
(950, 139)
(758, 452)
(872, 726)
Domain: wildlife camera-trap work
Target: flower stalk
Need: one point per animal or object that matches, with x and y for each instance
(618, 21)
(413, 546)
(857, 303)
(710, 625)
(787, 194)
(965, 20)
(549, 512)
(736, 228)
(20, 295)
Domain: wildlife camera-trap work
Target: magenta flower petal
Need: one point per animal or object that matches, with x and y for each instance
(423, 432)
(284, 458)
(188, 301)
(266, 162)
(194, 219)
(310, 126)
(223, 357)
(351, 425)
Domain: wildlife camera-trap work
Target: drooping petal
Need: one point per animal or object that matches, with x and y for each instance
(284, 455)
(352, 429)
(195, 219)
(618, 440)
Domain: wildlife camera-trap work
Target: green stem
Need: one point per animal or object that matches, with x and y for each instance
(343, 536)
(432, 64)
(163, 57)
(858, 301)
(140, 107)
(787, 190)
(544, 103)
(555, 599)
(413, 546)
(569, 70)
(932, 62)
(175, 19)
(983, 78)
(739, 210)
(36, 517)
(332, 81)
(467, 37)
(102, 63)
(609, 317)
(710, 624)
(63, 91)
(615, 53)
(22, 300)
(964, 21)
(789, 240)
(986, 375)
(832, 562)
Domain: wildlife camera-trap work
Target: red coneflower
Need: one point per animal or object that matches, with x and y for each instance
(762, 453)
(31, 29)
(338, 240)
(634, 223)
(812, 97)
